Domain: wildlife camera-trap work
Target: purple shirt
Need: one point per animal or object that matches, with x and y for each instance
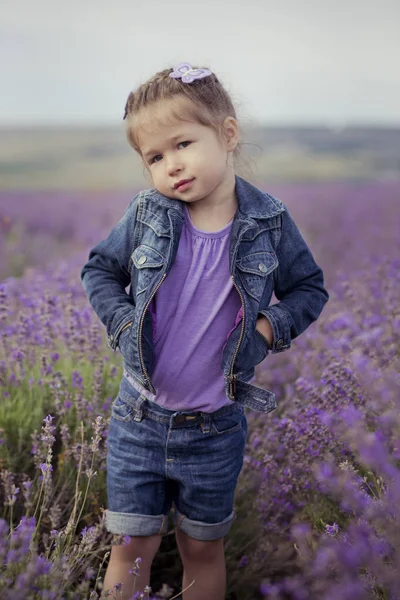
(194, 309)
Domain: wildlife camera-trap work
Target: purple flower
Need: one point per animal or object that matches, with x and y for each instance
(45, 468)
(243, 561)
(332, 529)
(135, 570)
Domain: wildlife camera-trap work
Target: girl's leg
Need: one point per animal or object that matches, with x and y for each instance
(122, 559)
(203, 562)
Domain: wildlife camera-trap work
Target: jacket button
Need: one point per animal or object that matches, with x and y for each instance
(142, 259)
(262, 268)
(279, 344)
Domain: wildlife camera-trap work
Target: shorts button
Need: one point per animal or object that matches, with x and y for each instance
(262, 267)
(142, 259)
(279, 344)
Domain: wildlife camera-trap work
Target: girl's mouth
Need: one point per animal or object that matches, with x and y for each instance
(184, 186)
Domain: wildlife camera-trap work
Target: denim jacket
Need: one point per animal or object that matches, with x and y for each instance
(266, 254)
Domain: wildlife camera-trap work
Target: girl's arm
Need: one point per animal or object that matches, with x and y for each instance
(106, 275)
(299, 285)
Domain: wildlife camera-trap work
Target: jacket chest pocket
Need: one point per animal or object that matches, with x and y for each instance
(148, 263)
(253, 271)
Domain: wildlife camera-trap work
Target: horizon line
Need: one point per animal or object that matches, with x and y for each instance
(267, 124)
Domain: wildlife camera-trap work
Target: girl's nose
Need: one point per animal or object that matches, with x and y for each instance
(174, 166)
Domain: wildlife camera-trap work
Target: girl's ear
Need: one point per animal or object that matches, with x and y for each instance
(230, 129)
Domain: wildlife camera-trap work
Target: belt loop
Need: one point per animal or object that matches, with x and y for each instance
(139, 409)
(171, 419)
(206, 425)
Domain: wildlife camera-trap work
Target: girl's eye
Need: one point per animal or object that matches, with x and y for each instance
(158, 156)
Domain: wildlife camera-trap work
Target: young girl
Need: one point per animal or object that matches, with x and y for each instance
(202, 252)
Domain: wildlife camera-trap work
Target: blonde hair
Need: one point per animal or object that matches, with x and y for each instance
(209, 103)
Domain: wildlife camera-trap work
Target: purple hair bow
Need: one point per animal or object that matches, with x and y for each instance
(185, 72)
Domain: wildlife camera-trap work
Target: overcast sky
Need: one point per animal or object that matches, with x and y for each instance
(328, 62)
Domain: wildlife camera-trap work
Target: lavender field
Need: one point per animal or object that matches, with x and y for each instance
(318, 502)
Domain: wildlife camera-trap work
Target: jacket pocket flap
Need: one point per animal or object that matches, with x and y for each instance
(145, 257)
(258, 263)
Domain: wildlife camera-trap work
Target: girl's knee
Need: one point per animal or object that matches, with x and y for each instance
(144, 547)
(197, 550)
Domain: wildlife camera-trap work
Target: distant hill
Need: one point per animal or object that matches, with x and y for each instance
(100, 158)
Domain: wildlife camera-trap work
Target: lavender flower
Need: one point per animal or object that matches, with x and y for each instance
(135, 570)
(318, 499)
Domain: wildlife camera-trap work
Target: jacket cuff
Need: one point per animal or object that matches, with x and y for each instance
(280, 322)
(112, 338)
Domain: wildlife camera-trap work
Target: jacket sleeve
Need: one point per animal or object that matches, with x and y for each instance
(298, 284)
(106, 275)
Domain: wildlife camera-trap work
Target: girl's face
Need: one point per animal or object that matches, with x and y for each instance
(176, 151)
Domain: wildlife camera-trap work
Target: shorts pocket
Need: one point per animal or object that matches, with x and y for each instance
(228, 424)
(121, 410)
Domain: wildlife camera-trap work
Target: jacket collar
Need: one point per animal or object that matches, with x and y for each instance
(253, 202)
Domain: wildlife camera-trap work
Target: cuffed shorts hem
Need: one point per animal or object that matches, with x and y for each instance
(136, 525)
(203, 531)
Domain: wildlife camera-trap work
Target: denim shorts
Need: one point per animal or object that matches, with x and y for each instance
(160, 459)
